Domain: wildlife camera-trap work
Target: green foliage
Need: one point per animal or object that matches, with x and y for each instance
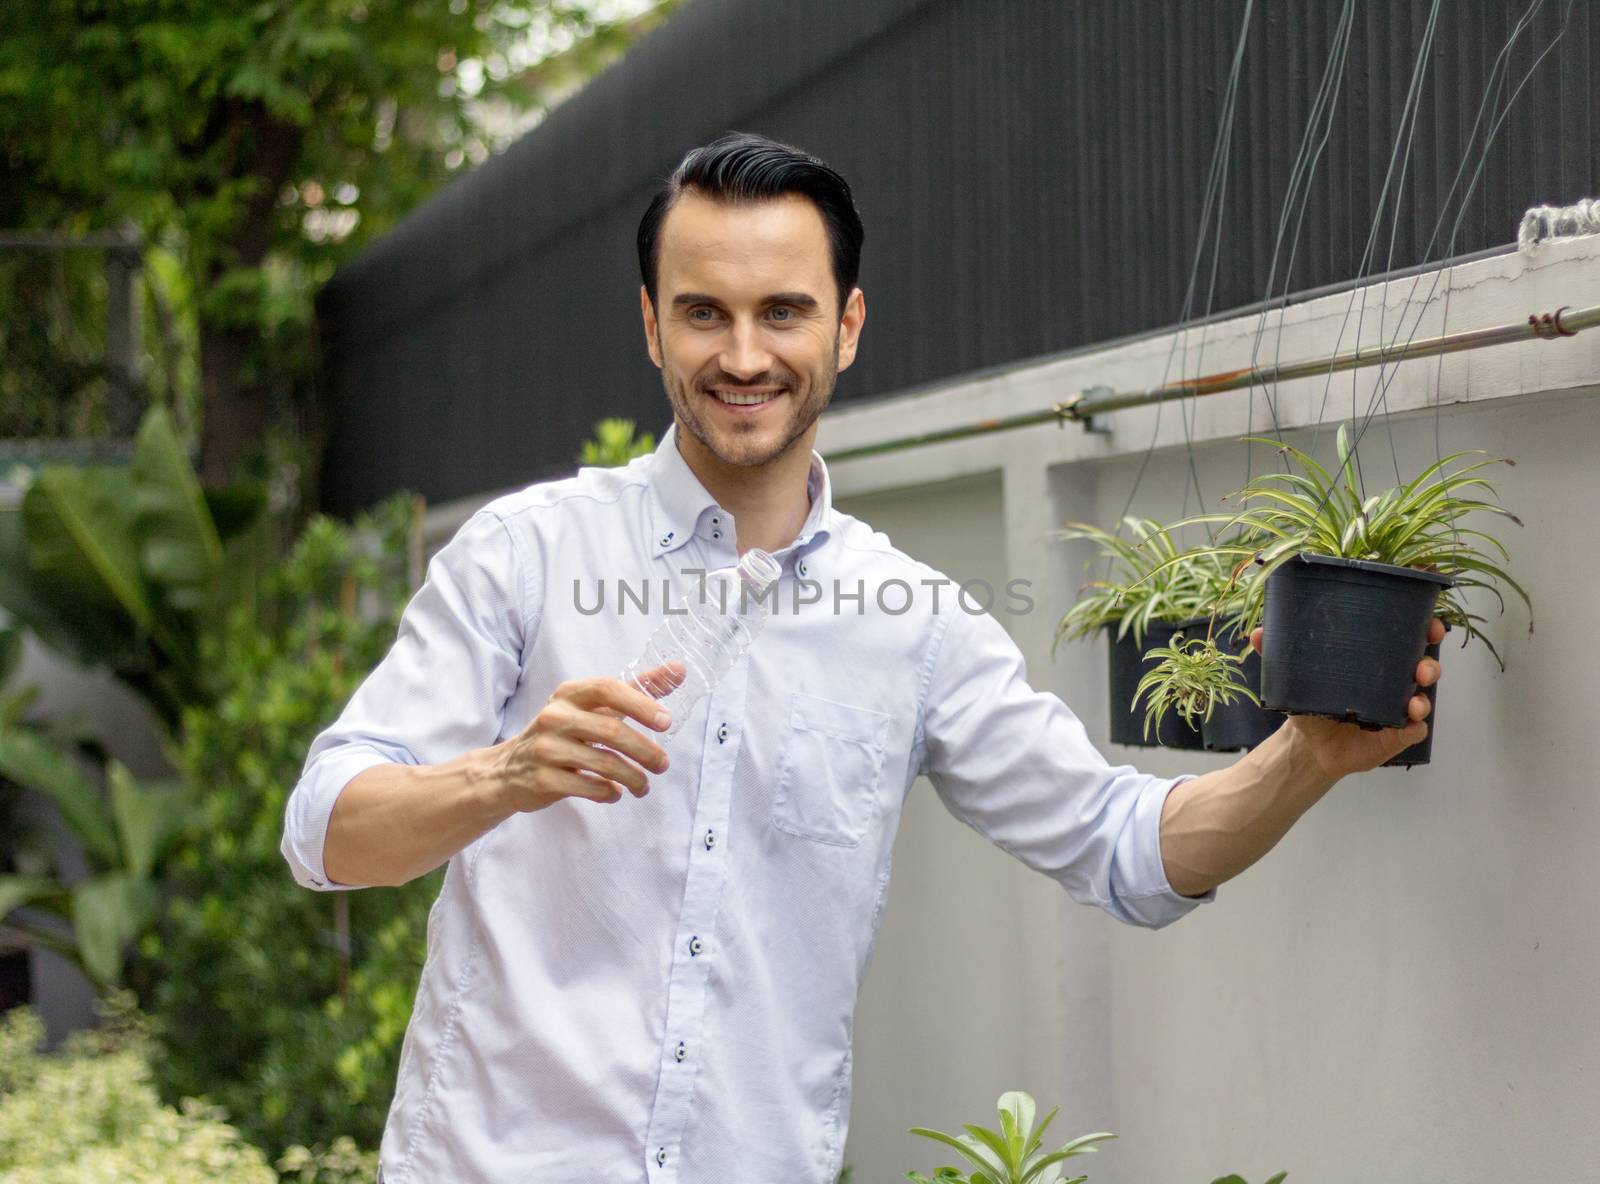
(1419, 524)
(259, 1006)
(125, 830)
(1151, 579)
(1011, 1155)
(341, 1163)
(257, 146)
(125, 566)
(90, 1115)
(614, 444)
(1237, 1179)
(1192, 678)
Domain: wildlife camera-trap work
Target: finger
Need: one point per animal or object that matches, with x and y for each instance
(1257, 636)
(1436, 632)
(592, 727)
(571, 783)
(660, 681)
(1419, 708)
(590, 693)
(1413, 733)
(1428, 671)
(562, 752)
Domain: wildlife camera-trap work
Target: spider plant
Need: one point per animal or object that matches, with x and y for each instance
(1151, 579)
(1011, 1155)
(1194, 676)
(1418, 524)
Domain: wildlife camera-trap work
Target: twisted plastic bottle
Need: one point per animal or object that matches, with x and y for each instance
(692, 649)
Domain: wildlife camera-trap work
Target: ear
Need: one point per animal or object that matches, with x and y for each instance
(652, 331)
(855, 316)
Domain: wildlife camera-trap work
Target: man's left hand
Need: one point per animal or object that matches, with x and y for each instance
(1341, 749)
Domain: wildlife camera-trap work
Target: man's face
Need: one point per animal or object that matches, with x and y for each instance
(746, 327)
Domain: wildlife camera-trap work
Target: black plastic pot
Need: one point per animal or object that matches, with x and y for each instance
(1126, 667)
(1344, 636)
(1421, 752)
(1236, 726)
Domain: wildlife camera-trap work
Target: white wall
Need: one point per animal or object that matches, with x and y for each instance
(1405, 989)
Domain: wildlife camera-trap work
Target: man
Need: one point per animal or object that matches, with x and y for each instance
(622, 987)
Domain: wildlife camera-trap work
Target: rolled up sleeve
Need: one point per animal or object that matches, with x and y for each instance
(440, 691)
(1016, 765)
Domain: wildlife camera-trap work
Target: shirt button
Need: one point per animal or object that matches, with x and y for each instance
(661, 1157)
(666, 538)
(802, 567)
(722, 733)
(715, 521)
(711, 839)
(716, 534)
(695, 946)
(680, 1052)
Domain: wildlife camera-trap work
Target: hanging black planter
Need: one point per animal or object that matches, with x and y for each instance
(1240, 725)
(1127, 666)
(1344, 636)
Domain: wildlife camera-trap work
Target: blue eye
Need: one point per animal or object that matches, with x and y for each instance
(782, 313)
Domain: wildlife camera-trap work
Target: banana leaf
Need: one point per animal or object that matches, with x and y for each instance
(108, 912)
(179, 548)
(34, 763)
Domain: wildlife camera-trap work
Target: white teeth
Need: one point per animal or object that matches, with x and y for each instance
(742, 400)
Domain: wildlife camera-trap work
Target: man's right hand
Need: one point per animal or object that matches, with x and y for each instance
(579, 745)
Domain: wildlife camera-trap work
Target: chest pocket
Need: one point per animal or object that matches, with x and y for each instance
(829, 771)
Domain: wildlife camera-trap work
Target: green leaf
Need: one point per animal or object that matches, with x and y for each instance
(108, 912)
(180, 550)
(1021, 1107)
(80, 526)
(31, 761)
(89, 629)
(967, 1149)
(993, 1142)
(148, 818)
(17, 891)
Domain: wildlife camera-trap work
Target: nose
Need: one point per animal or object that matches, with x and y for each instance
(744, 357)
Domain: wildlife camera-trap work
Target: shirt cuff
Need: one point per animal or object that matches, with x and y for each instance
(305, 823)
(1141, 893)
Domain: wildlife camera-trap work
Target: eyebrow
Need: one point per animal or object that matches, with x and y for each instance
(798, 299)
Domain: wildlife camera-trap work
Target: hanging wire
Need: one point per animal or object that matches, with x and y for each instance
(1393, 183)
(1495, 84)
(1215, 198)
(1302, 175)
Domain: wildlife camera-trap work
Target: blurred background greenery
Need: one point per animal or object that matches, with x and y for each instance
(177, 179)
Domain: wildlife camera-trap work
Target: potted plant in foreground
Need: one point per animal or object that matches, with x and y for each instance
(1014, 1155)
(1346, 586)
(1011, 1155)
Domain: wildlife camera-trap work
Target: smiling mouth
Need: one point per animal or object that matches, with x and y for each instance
(743, 398)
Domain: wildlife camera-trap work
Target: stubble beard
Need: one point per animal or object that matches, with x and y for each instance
(740, 450)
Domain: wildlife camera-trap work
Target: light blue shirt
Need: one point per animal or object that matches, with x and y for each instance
(662, 989)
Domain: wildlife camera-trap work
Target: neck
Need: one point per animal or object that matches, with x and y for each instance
(769, 502)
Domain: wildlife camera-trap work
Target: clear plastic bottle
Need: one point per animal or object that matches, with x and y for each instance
(690, 650)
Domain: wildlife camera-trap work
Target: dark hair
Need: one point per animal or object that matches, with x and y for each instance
(740, 167)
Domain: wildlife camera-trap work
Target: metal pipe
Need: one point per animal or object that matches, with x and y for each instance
(1080, 408)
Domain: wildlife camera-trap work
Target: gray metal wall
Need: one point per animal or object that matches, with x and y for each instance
(1030, 173)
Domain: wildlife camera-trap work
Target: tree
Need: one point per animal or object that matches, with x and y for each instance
(263, 143)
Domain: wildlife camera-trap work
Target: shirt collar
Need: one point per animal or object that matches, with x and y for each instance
(678, 500)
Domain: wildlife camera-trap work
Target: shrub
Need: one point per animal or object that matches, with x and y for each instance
(287, 1006)
(90, 1115)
